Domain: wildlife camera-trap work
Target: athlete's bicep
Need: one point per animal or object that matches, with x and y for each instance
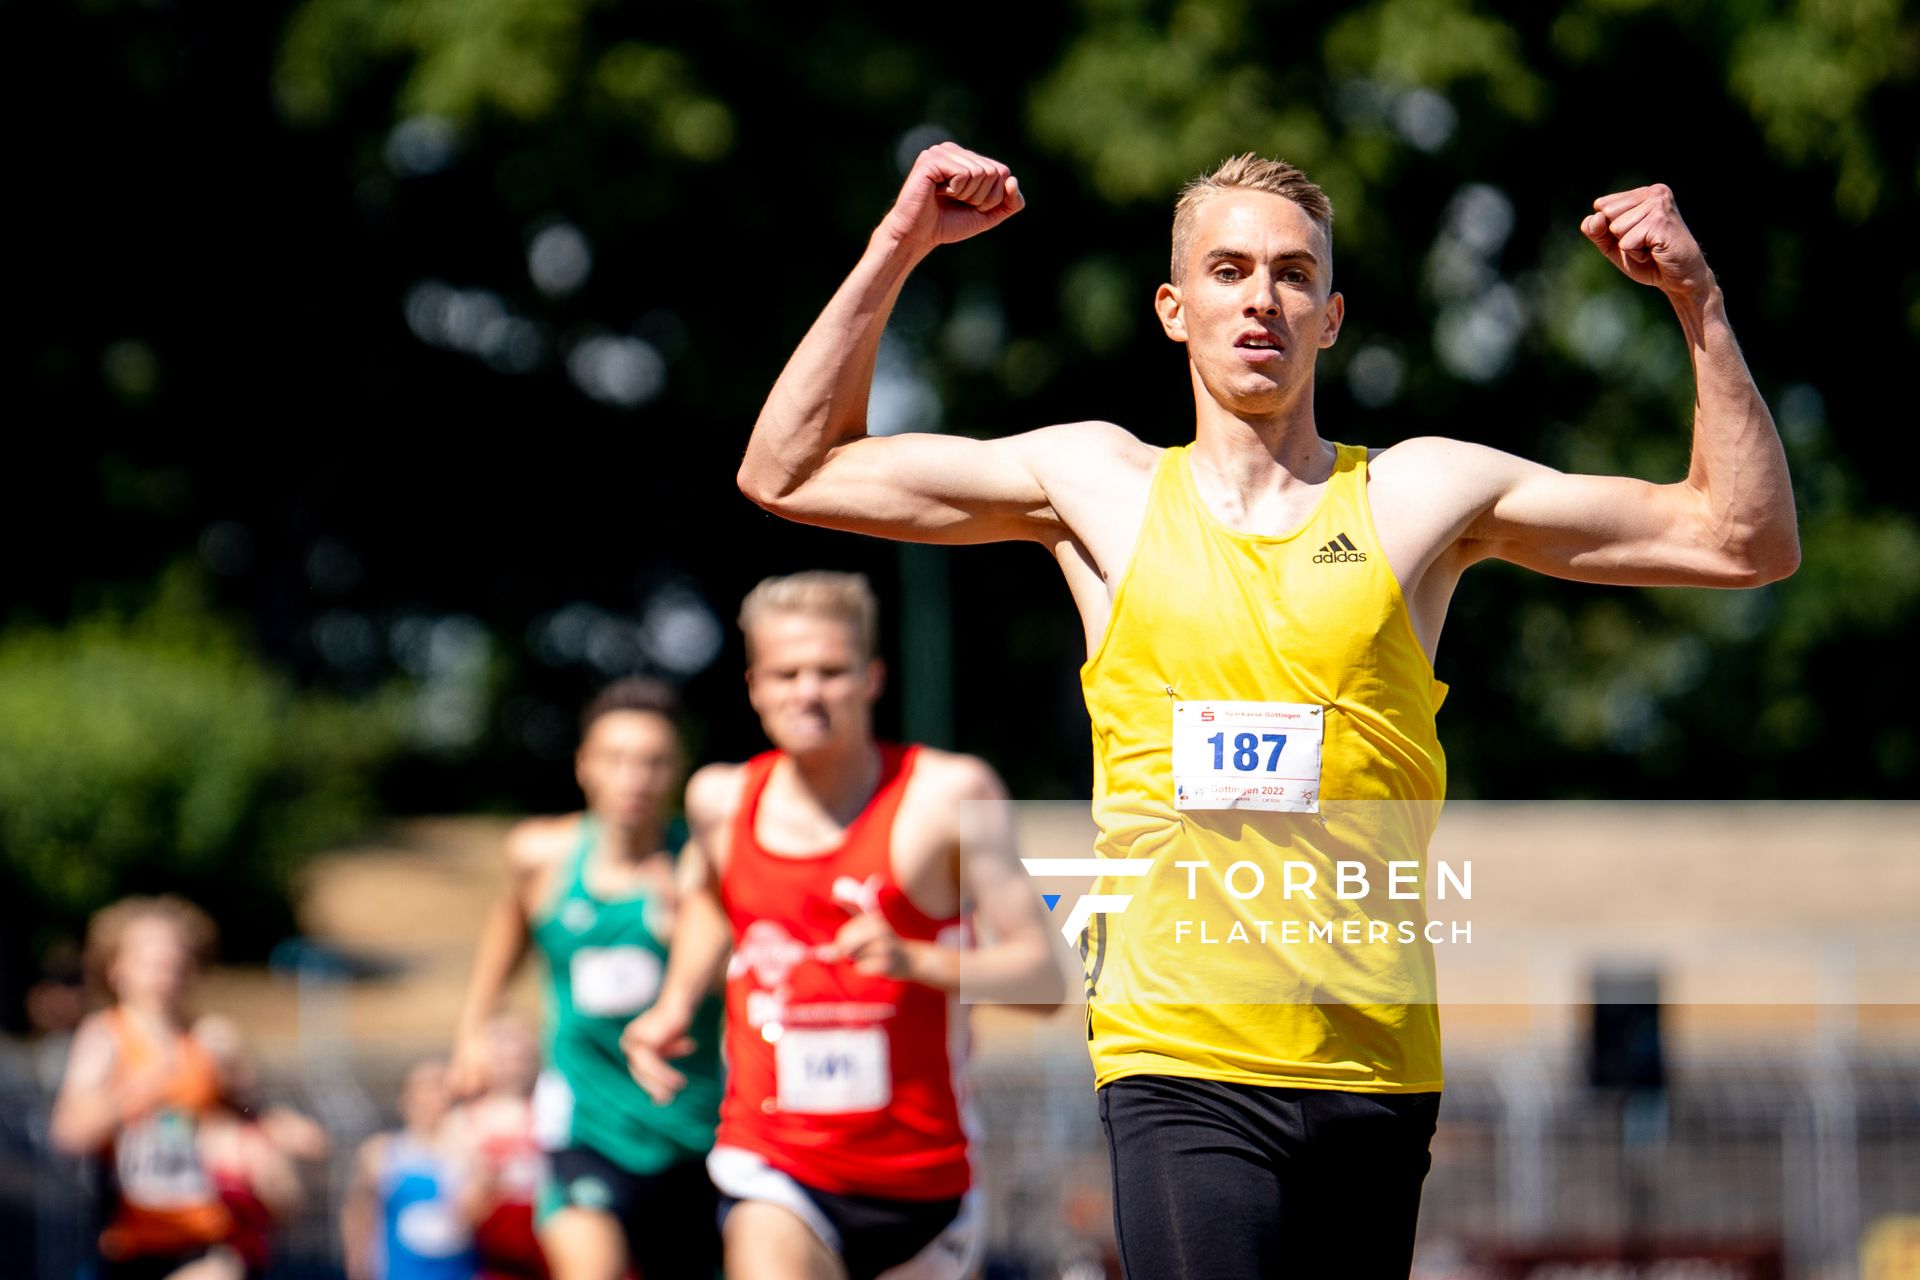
(1605, 529)
(936, 488)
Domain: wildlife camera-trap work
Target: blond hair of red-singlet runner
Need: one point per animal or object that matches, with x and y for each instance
(165, 1200)
(844, 1082)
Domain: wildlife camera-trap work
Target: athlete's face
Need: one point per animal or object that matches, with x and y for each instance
(425, 1098)
(1254, 305)
(513, 1057)
(153, 963)
(812, 685)
(628, 767)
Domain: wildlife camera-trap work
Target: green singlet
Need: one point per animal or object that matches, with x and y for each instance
(605, 961)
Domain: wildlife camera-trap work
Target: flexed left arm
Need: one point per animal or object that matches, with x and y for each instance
(1731, 522)
(1738, 467)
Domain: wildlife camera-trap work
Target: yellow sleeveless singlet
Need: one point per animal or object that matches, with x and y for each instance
(1303, 992)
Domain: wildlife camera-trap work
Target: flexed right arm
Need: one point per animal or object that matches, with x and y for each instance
(810, 458)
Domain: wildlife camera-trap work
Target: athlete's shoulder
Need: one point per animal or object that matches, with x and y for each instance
(1096, 476)
(1095, 443)
(1438, 468)
(101, 1022)
(1095, 432)
(950, 775)
(1426, 453)
(535, 843)
(713, 793)
(98, 1035)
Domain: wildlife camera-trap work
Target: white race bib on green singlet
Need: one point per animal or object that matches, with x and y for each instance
(613, 982)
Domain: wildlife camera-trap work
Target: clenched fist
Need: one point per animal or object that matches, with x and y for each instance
(1641, 233)
(951, 194)
(650, 1041)
(869, 943)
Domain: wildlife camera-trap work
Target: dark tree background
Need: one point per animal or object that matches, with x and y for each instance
(421, 338)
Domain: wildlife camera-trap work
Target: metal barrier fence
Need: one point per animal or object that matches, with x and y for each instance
(1796, 1157)
(1769, 1157)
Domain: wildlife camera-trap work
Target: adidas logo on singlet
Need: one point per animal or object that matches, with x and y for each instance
(1339, 551)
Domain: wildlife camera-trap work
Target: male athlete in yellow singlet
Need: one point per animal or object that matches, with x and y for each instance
(1262, 609)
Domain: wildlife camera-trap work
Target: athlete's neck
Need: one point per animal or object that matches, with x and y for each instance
(153, 1014)
(1254, 451)
(617, 845)
(1253, 490)
(839, 778)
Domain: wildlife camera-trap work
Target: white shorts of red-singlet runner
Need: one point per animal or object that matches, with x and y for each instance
(954, 1254)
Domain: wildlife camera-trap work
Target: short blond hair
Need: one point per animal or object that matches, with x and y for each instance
(847, 597)
(109, 926)
(1247, 172)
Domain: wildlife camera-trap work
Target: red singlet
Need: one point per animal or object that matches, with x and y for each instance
(509, 1246)
(844, 1082)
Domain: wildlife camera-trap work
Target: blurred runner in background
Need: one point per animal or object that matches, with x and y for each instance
(595, 892)
(498, 1131)
(251, 1152)
(139, 1087)
(831, 869)
(408, 1207)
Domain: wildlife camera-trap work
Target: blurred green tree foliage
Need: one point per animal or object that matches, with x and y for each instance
(515, 275)
(1458, 140)
(153, 751)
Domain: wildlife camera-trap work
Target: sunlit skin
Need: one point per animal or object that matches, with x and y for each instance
(1253, 305)
(811, 684)
(1258, 271)
(814, 686)
(513, 1057)
(102, 1094)
(627, 768)
(150, 976)
(153, 967)
(1255, 264)
(425, 1101)
(424, 1098)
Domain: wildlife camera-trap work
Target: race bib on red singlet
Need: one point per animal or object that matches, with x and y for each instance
(1247, 755)
(829, 1071)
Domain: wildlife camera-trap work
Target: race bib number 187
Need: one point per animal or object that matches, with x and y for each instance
(1247, 755)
